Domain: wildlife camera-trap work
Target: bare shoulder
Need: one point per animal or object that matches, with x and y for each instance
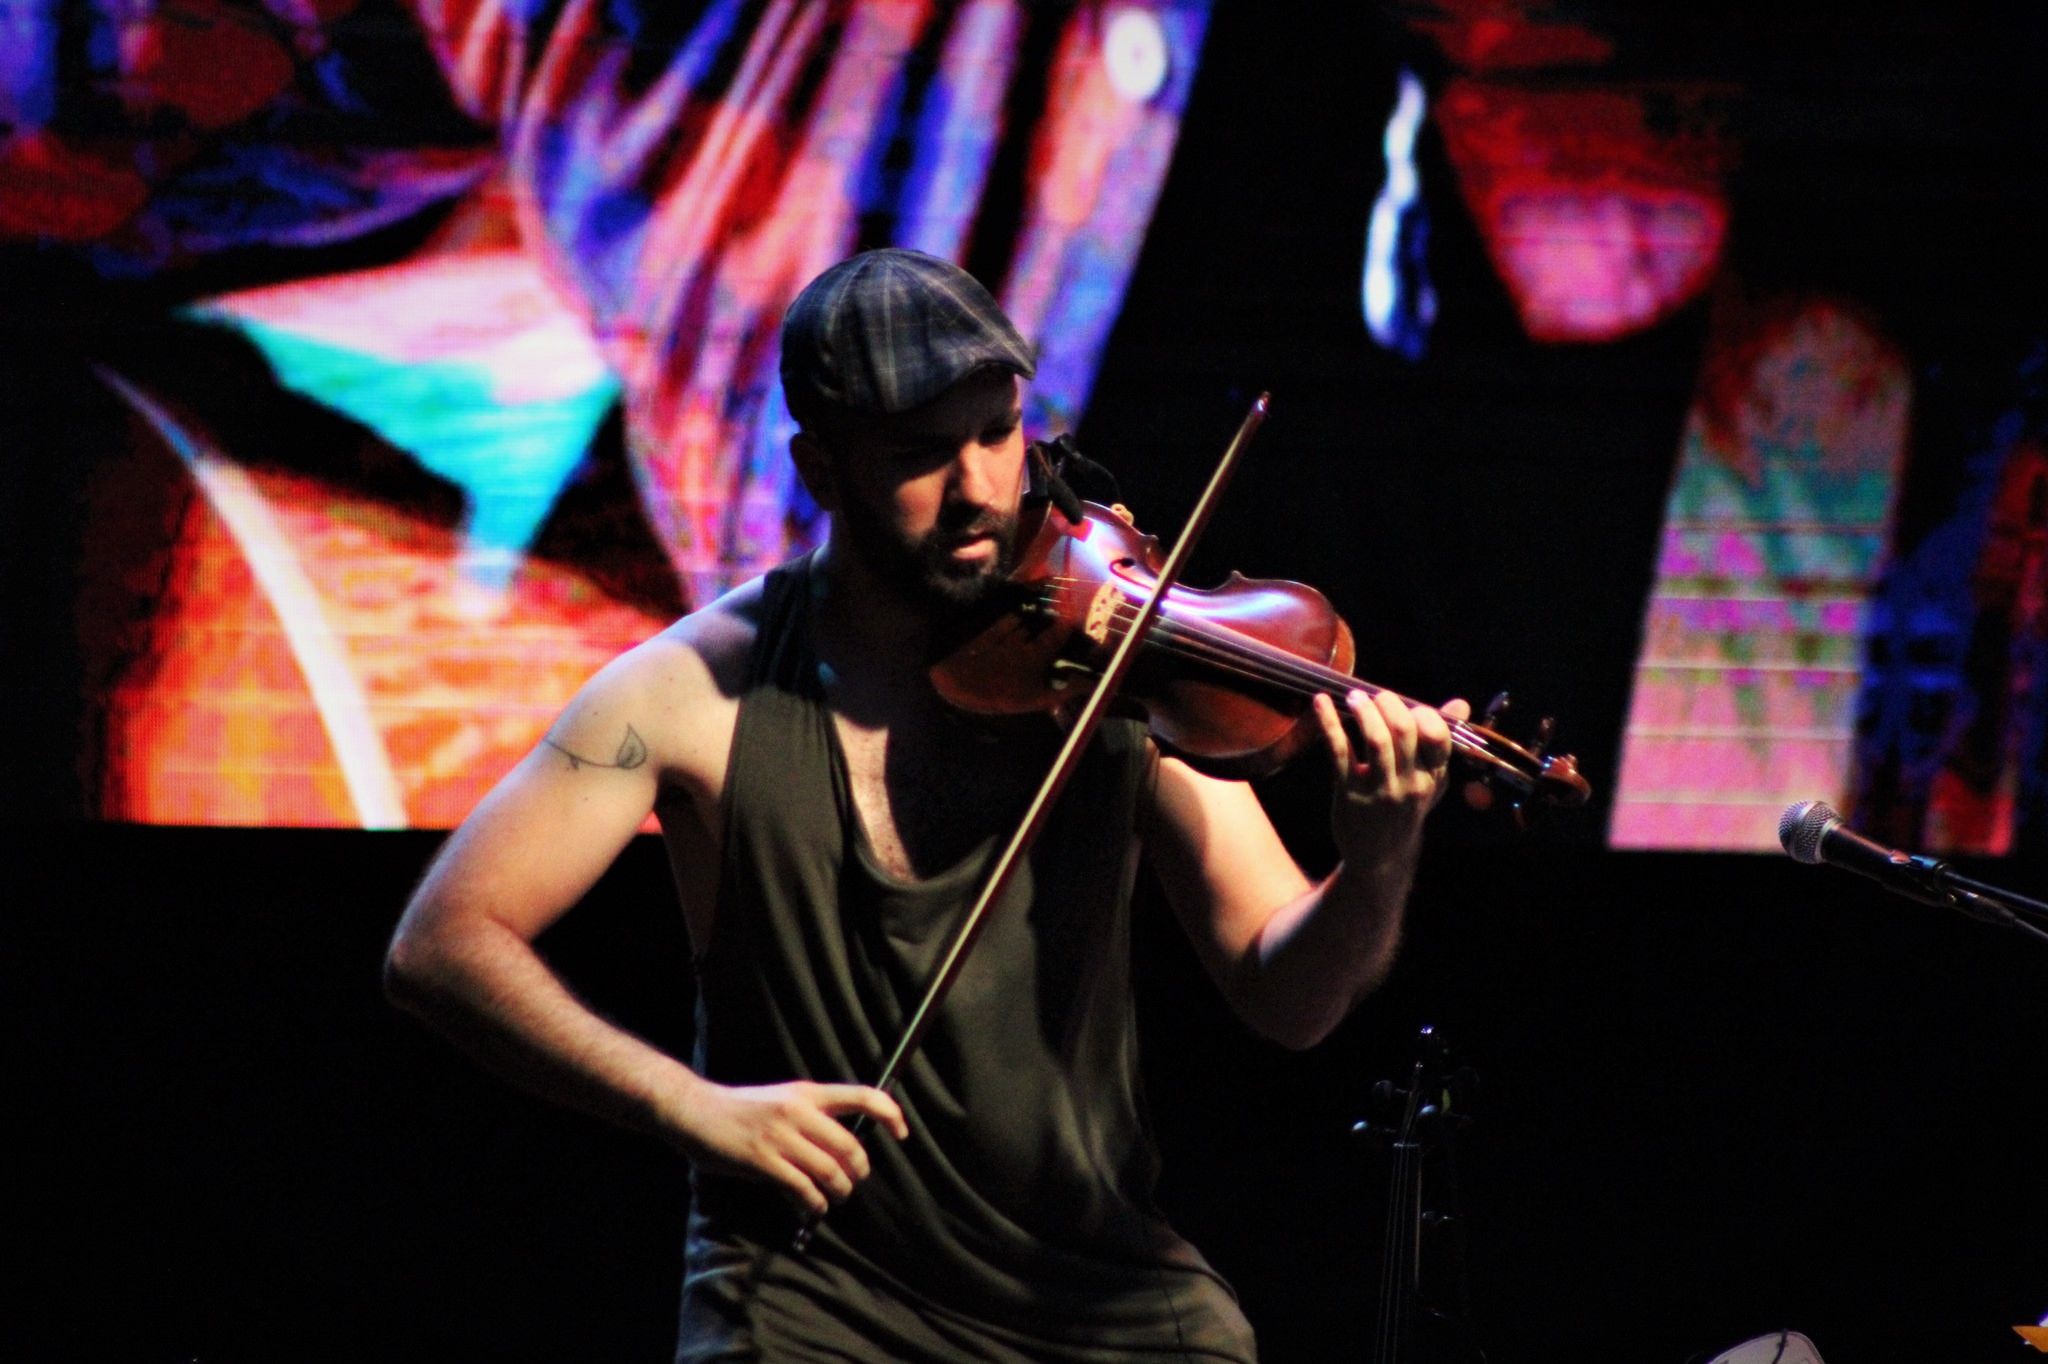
(671, 701)
(721, 636)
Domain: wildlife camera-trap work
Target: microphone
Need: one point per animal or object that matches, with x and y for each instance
(1814, 832)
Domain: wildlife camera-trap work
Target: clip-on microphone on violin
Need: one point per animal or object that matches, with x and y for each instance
(1061, 472)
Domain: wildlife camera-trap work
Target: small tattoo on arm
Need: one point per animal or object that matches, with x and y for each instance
(632, 752)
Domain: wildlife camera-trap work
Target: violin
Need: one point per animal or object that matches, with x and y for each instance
(1225, 678)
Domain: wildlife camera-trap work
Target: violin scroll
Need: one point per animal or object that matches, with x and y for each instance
(1532, 776)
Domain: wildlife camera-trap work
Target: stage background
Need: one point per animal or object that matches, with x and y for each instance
(386, 372)
(1723, 1093)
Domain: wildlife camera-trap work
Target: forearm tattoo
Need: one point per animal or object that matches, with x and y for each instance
(632, 753)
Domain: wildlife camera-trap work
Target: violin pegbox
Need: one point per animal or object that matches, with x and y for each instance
(1532, 776)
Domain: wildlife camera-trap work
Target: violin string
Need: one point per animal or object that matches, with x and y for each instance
(1398, 1276)
(1388, 1250)
(1178, 641)
(1282, 669)
(1385, 1326)
(1467, 744)
(1390, 1271)
(1284, 672)
(1283, 678)
(1307, 677)
(1293, 674)
(1256, 662)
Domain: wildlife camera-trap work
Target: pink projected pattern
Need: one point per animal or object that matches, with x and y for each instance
(1600, 217)
(1775, 534)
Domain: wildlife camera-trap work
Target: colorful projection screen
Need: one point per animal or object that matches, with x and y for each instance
(405, 510)
(371, 524)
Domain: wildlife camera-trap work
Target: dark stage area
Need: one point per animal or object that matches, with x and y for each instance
(1720, 1095)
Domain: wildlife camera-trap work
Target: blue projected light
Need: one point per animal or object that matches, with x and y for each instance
(1398, 300)
(510, 458)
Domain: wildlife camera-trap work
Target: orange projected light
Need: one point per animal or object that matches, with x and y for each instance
(388, 706)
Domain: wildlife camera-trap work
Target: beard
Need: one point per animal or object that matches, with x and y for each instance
(922, 571)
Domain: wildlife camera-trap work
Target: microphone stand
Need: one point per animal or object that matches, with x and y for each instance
(1992, 904)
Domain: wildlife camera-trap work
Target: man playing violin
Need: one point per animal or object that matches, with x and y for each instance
(826, 815)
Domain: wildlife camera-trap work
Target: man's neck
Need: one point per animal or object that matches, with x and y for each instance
(863, 628)
(874, 650)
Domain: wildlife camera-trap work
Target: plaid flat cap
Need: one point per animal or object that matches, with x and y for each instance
(890, 330)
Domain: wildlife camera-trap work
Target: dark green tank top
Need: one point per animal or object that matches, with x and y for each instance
(1016, 1223)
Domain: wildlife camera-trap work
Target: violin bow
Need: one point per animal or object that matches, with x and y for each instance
(1086, 721)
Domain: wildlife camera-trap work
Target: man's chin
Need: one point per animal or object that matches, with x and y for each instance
(954, 586)
(964, 575)
(938, 576)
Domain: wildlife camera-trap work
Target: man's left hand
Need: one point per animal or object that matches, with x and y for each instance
(1391, 775)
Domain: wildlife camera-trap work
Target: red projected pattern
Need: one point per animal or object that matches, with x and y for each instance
(1598, 224)
(1599, 227)
(310, 647)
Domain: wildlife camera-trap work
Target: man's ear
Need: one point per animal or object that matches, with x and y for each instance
(814, 467)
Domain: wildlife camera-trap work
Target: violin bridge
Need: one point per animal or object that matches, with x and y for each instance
(1101, 611)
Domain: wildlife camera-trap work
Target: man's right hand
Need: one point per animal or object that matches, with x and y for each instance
(788, 1134)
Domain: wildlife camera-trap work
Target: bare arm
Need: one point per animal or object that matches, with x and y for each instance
(1293, 956)
(463, 956)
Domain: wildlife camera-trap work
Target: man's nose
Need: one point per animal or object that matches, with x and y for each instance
(976, 474)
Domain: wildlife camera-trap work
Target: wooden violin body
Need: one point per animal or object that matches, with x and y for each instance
(1226, 678)
(1076, 585)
